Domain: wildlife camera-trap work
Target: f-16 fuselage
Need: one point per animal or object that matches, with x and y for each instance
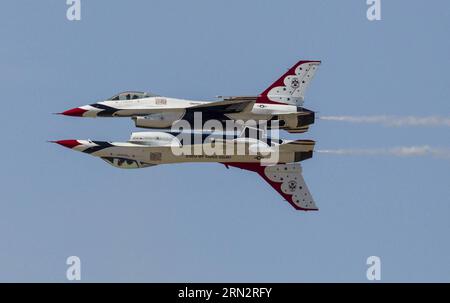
(162, 112)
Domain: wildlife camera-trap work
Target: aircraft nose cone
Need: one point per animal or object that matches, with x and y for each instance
(74, 112)
(67, 143)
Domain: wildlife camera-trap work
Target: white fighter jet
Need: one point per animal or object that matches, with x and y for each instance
(145, 149)
(282, 102)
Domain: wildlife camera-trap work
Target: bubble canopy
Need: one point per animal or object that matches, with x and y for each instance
(131, 95)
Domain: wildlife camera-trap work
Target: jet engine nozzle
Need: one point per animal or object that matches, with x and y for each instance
(305, 118)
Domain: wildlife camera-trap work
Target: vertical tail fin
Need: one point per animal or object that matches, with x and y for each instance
(290, 88)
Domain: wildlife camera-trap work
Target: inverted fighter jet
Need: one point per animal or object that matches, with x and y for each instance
(282, 102)
(146, 149)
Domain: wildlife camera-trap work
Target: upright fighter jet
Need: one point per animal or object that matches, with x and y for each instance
(282, 102)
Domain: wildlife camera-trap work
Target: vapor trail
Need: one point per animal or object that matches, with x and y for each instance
(396, 121)
(403, 151)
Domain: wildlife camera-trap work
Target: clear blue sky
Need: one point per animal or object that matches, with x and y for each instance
(203, 223)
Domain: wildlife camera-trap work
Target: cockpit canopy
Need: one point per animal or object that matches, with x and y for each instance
(130, 95)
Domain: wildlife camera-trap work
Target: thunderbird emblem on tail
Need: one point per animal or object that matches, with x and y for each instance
(247, 146)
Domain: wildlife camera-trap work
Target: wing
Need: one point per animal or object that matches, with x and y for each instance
(287, 180)
(232, 105)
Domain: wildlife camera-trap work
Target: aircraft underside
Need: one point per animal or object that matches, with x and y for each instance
(277, 164)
